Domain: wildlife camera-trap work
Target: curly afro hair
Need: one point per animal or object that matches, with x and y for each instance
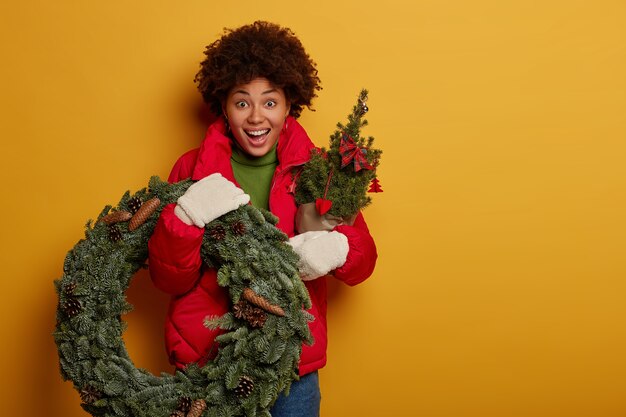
(260, 50)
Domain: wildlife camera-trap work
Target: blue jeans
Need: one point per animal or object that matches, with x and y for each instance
(303, 400)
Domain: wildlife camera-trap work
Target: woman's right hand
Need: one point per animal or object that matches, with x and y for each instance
(208, 199)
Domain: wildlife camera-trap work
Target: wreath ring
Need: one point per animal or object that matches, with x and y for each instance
(262, 334)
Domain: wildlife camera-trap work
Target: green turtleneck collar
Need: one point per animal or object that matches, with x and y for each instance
(243, 158)
(254, 174)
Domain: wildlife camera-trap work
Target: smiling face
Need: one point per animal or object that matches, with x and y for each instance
(256, 113)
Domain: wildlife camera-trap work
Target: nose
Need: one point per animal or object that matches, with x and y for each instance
(256, 115)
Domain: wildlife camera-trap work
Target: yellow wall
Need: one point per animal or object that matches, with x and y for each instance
(501, 281)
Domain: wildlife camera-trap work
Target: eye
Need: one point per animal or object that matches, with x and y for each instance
(241, 104)
(271, 104)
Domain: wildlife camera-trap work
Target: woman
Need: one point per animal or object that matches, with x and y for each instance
(257, 79)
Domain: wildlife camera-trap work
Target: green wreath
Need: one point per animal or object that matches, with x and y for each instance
(263, 333)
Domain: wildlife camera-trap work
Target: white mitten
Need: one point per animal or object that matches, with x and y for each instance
(208, 199)
(320, 252)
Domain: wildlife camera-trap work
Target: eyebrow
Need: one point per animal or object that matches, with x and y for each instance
(273, 90)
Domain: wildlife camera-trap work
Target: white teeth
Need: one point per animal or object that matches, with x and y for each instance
(257, 132)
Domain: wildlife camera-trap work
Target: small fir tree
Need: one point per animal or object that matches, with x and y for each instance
(337, 179)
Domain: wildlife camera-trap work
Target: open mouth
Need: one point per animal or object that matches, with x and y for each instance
(257, 136)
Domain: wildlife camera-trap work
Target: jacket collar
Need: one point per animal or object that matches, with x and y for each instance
(294, 147)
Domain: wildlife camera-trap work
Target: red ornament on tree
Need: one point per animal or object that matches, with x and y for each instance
(322, 205)
(375, 186)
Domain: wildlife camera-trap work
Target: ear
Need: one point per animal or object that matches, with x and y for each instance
(288, 109)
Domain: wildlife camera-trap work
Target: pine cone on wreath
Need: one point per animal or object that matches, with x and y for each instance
(245, 387)
(116, 217)
(177, 413)
(69, 288)
(218, 232)
(184, 404)
(145, 211)
(134, 204)
(239, 228)
(197, 407)
(115, 235)
(256, 317)
(240, 310)
(72, 306)
(260, 301)
(89, 394)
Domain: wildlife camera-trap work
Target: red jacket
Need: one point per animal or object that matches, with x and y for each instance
(176, 267)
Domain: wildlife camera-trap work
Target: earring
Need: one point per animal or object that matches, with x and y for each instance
(227, 124)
